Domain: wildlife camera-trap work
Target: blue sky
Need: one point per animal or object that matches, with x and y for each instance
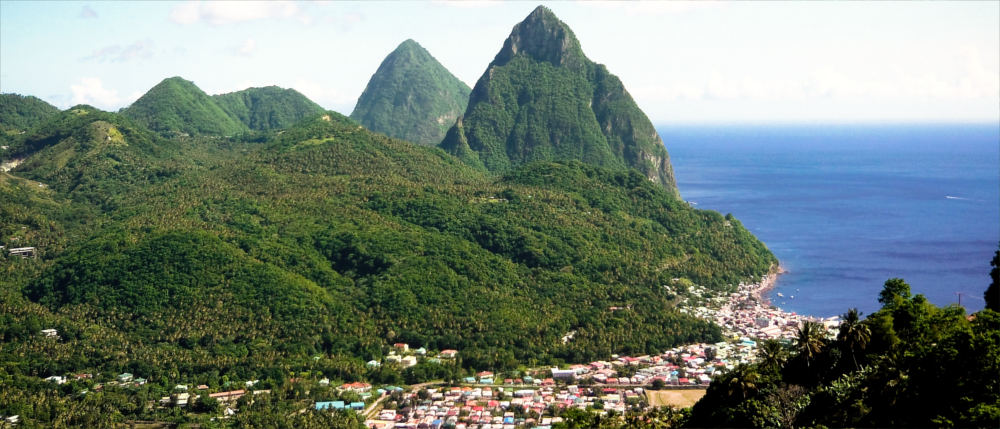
(683, 62)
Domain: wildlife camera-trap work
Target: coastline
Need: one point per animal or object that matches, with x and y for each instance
(748, 313)
(766, 284)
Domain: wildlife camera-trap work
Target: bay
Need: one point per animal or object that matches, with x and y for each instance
(846, 207)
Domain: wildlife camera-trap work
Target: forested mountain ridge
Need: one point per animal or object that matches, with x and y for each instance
(542, 99)
(332, 239)
(176, 106)
(411, 97)
(267, 108)
(21, 113)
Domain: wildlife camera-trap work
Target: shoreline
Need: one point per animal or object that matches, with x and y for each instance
(748, 313)
(766, 284)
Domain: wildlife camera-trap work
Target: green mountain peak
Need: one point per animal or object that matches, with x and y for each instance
(411, 96)
(267, 108)
(541, 99)
(178, 106)
(542, 37)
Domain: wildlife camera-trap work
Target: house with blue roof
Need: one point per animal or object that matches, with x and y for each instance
(327, 405)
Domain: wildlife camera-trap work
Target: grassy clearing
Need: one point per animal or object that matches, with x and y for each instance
(675, 398)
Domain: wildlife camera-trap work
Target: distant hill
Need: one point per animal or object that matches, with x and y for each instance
(177, 106)
(541, 99)
(411, 97)
(91, 153)
(21, 113)
(267, 108)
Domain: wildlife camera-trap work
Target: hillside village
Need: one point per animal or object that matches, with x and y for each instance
(530, 398)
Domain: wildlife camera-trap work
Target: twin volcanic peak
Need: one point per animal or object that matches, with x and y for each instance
(542, 99)
(178, 106)
(411, 97)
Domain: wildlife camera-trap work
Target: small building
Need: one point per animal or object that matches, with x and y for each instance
(357, 387)
(181, 399)
(357, 405)
(57, 379)
(24, 252)
(125, 377)
(408, 361)
(373, 364)
(50, 333)
(330, 405)
(448, 354)
(401, 347)
(230, 396)
(563, 374)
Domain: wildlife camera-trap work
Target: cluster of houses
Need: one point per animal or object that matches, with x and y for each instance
(500, 407)
(745, 314)
(402, 355)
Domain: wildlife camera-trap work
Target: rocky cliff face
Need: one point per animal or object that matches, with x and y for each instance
(541, 99)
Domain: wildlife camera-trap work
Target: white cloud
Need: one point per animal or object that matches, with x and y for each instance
(142, 49)
(90, 90)
(653, 8)
(87, 13)
(469, 4)
(227, 12)
(248, 48)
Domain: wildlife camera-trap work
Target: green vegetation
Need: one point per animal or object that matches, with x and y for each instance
(93, 155)
(411, 97)
(20, 113)
(910, 364)
(176, 106)
(541, 99)
(992, 294)
(267, 108)
(201, 259)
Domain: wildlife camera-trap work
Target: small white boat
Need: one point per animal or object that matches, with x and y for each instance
(780, 295)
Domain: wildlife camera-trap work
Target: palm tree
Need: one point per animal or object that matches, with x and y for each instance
(811, 337)
(853, 333)
(743, 380)
(772, 354)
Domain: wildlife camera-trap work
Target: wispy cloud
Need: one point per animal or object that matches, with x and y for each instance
(468, 4)
(142, 49)
(228, 12)
(653, 8)
(87, 13)
(247, 49)
(90, 90)
(975, 81)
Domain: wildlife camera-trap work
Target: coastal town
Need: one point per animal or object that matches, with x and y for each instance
(533, 397)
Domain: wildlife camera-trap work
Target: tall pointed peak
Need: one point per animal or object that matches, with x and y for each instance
(542, 37)
(409, 44)
(411, 96)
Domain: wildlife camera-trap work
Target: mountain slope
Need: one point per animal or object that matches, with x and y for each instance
(267, 108)
(412, 97)
(92, 154)
(21, 113)
(542, 99)
(177, 106)
(376, 240)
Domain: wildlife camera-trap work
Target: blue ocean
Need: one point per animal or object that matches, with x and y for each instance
(845, 208)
